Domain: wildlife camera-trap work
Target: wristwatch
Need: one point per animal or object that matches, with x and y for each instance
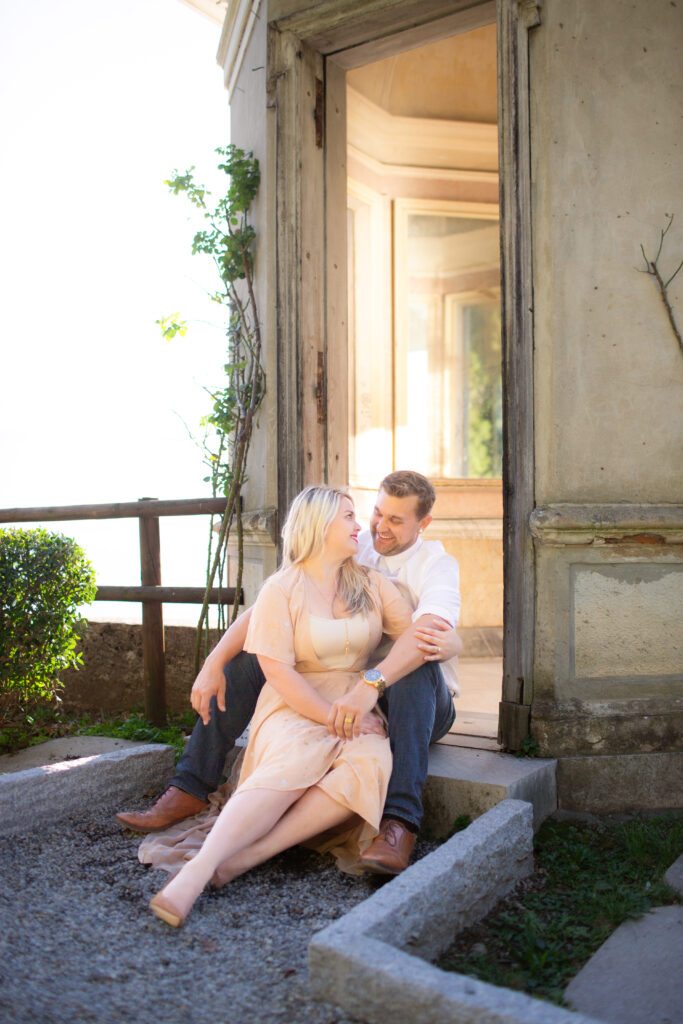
(373, 677)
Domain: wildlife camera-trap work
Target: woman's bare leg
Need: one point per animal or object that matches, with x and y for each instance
(246, 817)
(313, 813)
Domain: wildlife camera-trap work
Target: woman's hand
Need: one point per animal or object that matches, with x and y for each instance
(347, 712)
(372, 723)
(440, 642)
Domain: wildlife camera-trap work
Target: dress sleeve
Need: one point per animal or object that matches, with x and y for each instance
(270, 631)
(397, 614)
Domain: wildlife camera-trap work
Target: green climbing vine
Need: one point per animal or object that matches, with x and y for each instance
(228, 239)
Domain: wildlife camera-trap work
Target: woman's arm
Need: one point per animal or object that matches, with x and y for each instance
(294, 689)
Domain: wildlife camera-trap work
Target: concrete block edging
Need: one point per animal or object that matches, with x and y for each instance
(373, 962)
(52, 792)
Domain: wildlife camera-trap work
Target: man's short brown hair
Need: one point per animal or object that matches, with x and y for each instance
(404, 483)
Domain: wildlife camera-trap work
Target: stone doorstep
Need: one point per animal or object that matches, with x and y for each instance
(373, 961)
(463, 780)
(51, 792)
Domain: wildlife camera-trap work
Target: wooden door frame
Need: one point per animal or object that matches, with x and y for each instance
(515, 19)
(308, 55)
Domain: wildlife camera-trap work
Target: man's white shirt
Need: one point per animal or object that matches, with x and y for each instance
(428, 578)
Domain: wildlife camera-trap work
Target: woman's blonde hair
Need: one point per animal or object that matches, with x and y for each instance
(303, 537)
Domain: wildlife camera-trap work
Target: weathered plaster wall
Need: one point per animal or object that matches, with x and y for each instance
(608, 629)
(480, 560)
(606, 87)
(608, 382)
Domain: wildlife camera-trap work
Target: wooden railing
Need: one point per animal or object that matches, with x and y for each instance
(150, 593)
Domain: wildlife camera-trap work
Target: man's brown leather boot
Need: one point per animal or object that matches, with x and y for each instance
(390, 851)
(171, 807)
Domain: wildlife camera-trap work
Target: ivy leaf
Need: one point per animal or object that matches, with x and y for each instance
(172, 325)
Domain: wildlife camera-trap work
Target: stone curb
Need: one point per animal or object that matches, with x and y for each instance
(53, 792)
(368, 961)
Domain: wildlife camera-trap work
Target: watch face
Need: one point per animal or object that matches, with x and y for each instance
(373, 675)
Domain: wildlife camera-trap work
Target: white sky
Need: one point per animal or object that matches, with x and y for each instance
(98, 104)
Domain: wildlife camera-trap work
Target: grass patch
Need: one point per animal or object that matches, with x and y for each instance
(30, 726)
(589, 878)
(134, 726)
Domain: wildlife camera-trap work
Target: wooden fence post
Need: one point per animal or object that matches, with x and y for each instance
(154, 666)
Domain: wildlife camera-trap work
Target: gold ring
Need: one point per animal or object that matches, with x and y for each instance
(348, 719)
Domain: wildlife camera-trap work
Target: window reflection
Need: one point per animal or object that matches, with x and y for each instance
(432, 371)
(447, 330)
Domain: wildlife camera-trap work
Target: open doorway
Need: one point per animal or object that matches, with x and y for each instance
(424, 318)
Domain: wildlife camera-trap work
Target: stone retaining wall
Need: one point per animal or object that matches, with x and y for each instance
(111, 677)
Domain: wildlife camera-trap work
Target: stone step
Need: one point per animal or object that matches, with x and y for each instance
(463, 780)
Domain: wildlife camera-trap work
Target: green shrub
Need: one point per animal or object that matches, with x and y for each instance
(44, 577)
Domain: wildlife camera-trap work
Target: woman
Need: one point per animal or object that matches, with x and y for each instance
(313, 627)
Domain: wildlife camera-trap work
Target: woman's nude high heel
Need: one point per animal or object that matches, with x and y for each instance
(164, 909)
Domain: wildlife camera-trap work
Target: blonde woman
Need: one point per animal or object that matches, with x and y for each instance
(313, 627)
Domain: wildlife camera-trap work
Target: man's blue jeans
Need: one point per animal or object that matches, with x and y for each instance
(418, 707)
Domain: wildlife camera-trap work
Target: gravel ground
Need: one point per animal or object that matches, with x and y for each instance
(78, 945)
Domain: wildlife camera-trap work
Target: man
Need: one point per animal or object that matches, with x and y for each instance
(413, 690)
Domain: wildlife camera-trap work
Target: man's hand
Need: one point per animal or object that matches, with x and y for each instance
(209, 683)
(440, 642)
(347, 713)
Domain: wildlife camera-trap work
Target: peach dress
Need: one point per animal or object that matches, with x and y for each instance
(286, 750)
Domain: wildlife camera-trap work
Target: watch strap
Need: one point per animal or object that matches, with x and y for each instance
(377, 684)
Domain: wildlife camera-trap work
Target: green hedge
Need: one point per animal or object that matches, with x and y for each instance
(44, 578)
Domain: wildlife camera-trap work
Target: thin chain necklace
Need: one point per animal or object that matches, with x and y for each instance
(325, 597)
(335, 595)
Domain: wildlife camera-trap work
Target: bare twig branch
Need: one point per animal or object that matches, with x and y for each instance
(652, 269)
